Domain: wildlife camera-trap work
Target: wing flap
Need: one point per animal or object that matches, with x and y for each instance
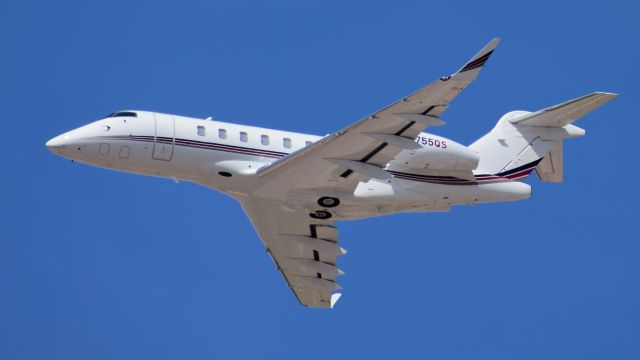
(312, 296)
(306, 267)
(326, 232)
(304, 250)
(298, 245)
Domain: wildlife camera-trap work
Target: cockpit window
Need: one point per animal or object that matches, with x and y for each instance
(122, 114)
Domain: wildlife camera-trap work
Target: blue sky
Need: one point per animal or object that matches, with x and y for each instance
(104, 265)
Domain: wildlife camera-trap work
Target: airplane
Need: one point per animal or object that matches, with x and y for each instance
(294, 187)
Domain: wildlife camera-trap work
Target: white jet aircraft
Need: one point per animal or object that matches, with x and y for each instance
(294, 187)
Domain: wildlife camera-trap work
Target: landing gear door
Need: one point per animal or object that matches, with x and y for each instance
(165, 137)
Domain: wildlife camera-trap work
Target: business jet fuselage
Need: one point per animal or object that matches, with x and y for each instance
(226, 157)
(294, 187)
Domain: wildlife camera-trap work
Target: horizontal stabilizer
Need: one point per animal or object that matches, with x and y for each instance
(522, 140)
(563, 114)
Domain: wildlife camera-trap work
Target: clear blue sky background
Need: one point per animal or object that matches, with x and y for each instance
(104, 265)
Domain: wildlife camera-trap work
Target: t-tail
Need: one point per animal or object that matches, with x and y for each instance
(523, 141)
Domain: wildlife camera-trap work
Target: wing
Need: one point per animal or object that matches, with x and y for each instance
(565, 113)
(360, 151)
(303, 249)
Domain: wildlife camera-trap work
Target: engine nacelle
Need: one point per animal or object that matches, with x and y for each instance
(438, 153)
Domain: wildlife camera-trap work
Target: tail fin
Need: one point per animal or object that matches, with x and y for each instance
(522, 140)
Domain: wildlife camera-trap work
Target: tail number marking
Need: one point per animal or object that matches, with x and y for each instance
(431, 142)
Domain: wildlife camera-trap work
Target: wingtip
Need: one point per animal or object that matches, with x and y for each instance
(493, 43)
(609, 94)
(481, 57)
(489, 47)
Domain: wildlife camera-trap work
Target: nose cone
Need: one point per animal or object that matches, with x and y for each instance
(56, 144)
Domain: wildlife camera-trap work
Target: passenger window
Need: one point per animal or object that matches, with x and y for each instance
(201, 130)
(243, 136)
(124, 152)
(286, 142)
(222, 133)
(104, 148)
(264, 139)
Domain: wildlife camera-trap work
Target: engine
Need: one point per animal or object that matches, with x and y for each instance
(438, 153)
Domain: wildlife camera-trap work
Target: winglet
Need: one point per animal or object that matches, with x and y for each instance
(334, 298)
(471, 69)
